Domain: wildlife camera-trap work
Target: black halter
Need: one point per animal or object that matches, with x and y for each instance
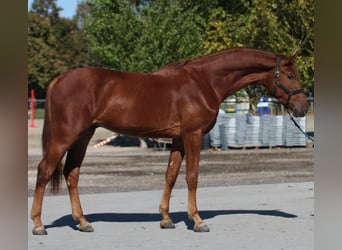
(277, 83)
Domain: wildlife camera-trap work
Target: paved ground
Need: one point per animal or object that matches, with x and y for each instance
(268, 216)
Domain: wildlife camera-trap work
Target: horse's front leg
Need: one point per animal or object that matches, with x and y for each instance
(175, 161)
(192, 144)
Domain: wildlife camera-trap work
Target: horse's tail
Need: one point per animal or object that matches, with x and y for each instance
(46, 137)
(56, 178)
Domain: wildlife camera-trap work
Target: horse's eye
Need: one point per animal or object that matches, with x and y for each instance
(291, 77)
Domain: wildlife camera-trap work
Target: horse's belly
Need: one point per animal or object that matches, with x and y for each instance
(168, 131)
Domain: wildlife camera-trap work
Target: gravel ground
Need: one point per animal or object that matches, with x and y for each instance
(115, 169)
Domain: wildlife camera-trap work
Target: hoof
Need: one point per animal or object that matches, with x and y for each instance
(167, 225)
(201, 228)
(39, 231)
(86, 228)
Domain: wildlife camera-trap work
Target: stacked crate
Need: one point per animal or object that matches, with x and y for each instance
(255, 131)
(293, 136)
(276, 131)
(230, 130)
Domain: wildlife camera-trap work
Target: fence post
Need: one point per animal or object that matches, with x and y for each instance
(206, 142)
(224, 144)
(32, 109)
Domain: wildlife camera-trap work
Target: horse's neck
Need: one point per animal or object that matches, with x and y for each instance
(231, 75)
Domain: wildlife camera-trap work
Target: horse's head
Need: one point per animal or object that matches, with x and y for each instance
(286, 87)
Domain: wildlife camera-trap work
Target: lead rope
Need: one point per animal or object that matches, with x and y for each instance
(297, 125)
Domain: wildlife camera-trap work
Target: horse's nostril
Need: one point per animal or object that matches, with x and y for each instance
(300, 110)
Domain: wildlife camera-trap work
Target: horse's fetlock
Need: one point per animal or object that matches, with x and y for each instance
(163, 210)
(191, 215)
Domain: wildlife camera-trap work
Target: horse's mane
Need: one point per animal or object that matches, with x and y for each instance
(209, 57)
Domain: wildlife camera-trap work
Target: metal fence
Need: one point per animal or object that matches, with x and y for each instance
(38, 103)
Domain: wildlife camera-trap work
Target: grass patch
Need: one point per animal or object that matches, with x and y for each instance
(38, 114)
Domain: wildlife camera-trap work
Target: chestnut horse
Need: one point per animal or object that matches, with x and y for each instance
(179, 101)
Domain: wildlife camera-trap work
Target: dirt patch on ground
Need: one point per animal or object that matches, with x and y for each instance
(113, 169)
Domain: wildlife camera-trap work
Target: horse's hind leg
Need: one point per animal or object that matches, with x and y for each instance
(71, 173)
(175, 161)
(46, 168)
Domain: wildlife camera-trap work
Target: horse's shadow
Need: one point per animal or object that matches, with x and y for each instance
(177, 217)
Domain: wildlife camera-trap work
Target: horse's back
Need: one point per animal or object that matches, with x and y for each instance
(90, 77)
(84, 85)
(131, 103)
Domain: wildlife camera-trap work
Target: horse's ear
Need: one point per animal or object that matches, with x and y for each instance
(291, 59)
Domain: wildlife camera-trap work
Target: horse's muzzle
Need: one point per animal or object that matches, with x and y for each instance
(299, 108)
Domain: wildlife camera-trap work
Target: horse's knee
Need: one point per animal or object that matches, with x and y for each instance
(191, 180)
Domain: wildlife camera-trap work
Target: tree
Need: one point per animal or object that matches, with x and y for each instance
(41, 51)
(46, 8)
(72, 46)
(55, 45)
(144, 36)
(170, 32)
(111, 30)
